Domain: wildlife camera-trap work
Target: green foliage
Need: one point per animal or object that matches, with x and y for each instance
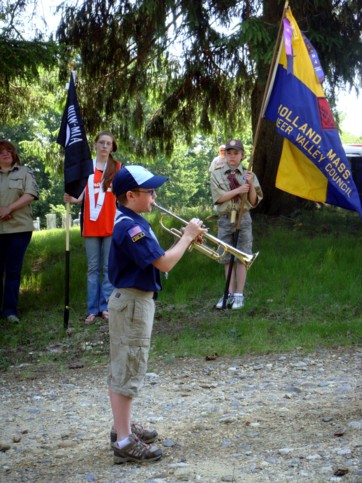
(161, 74)
(43, 272)
(138, 45)
(26, 58)
(258, 36)
(303, 291)
(35, 128)
(172, 69)
(22, 61)
(338, 42)
(35, 141)
(187, 170)
(348, 138)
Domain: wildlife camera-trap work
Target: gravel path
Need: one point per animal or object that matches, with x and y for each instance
(272, 418)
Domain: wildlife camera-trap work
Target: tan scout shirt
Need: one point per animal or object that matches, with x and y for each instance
(220, 184)
(13, 184)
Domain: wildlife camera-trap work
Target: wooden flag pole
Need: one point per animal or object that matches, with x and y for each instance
(67, 245)
(67, 263)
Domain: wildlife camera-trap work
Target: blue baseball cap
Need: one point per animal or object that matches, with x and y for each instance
(129, 178)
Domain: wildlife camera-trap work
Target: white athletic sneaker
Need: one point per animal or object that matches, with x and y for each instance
(238, 301)
(13, 319)
(229, 302)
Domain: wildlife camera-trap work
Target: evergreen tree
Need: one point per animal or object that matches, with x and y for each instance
(21, 60)
(198, 63)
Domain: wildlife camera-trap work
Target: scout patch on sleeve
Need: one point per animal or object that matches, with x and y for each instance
(136, 233)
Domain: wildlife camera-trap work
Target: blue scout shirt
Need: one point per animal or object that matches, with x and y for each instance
(133, 249)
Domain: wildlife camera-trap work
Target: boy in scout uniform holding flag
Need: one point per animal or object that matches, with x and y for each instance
(228, 184)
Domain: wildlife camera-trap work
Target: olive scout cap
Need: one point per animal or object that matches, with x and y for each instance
(129, 178)
(234, 144)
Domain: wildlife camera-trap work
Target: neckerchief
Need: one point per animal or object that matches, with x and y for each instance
(234, 183)
(95, 208)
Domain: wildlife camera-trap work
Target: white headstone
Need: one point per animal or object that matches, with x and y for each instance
(36, 224)
(51, 221)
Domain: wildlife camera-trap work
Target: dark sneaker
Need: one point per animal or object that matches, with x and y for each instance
(136, 451)
(145, 435)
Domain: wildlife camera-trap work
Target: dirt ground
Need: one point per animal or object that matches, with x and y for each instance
(277, 417)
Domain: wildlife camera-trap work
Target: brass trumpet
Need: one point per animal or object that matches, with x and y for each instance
(220, 248)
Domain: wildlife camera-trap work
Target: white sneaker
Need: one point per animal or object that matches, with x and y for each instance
(238, 301)
(13, 319)
(229, 302)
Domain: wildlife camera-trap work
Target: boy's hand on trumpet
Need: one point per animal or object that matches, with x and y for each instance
(194, 229)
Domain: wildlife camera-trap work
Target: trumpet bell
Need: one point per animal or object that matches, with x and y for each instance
(214, 248)
(245, 258)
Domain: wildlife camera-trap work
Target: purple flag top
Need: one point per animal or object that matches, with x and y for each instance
(288, 44)
(288, 34)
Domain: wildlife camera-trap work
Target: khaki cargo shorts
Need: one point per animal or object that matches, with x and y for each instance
(131, 314)
(226, 232)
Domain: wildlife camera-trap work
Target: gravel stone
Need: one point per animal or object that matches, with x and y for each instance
(220, 420)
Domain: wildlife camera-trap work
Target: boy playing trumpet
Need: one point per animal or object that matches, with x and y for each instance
(135, 262)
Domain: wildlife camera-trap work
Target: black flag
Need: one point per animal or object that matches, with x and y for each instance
(78, 164)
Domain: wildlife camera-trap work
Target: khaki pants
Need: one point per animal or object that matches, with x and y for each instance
(131, 314)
